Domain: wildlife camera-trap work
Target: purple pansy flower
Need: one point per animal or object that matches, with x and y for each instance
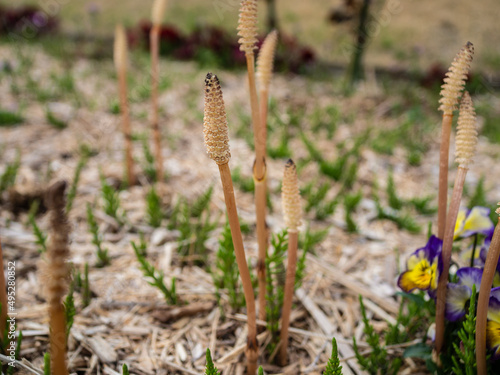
(459, 293)
(474, 221)
(423, 268)
(493, 325)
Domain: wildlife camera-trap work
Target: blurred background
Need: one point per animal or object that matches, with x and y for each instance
(401, 34)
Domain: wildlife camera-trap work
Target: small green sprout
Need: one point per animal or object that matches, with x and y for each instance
(102, 253)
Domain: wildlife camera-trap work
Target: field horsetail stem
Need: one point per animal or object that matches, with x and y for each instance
(120, 58)
(247, 30)
(466, 141)
(217, 142)
(157, 13)
(450, 93)
(292, 213)
(490, 267)
(265, 62)
(55, 274)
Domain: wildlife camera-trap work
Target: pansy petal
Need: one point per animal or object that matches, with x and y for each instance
(496, 280)
(415, 258)
(494, 305)
(433, 247)
(456, 298)
(493, 337)
(459, 225)
(411, 280)
(470, 276)
(422, 276)
(477, 221)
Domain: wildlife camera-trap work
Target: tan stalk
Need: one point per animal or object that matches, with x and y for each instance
(55, 275)
(484, 298)
(466, 142)
(450, 93)
(290, 196)
(265, 62)
(156, 17)
(247, 30)
(3, 296)
(217, 142)
(120, 58)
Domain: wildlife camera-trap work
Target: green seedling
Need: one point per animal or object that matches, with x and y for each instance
(464, 360)
(308, 239)
(378, 360)
(46, 364)
(69, 309)
(154, 212)
(210, 368)
(8, 178)
(111, 200)
(102, 253)
(195, 225)
(155, 277)
(125, 369)
(275, 286)
(76, 178)
(226, 275)
(41, 237)
(10, 118)
(333, 366)
(86, 292)
(149, 162)
(54, 121)
(351, 202)
(392, 196)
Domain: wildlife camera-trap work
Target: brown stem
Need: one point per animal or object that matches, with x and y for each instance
(260, 205)
(259, 177)
(3, 296)
(239, 251)
(288, 297)
(484, 298)
(154, 50)
(258, 130)
(57, 338)
(263, 102)
(443, 173)
(122, 82)
(446, 255)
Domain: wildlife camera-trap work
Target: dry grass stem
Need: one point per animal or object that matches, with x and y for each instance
(292, 214)
(217, 143)
(450, 93)
(56, 275)
(484, 298)
(120, 58)
(466, 142)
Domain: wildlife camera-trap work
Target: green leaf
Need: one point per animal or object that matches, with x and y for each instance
(419, 350)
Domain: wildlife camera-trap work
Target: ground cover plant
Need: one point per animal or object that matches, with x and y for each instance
(300, 260)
